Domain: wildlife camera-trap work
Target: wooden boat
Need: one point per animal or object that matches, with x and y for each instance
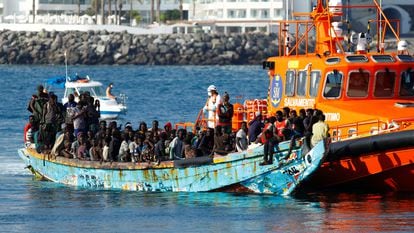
(188, 175)
(366, 93)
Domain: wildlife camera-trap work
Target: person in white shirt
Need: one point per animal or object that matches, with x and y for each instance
(214, 99)
(241, 138)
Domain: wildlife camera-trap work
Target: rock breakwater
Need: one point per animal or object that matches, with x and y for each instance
(102, 47)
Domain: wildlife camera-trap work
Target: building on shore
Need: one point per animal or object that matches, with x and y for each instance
(221, 16)
(45, 9)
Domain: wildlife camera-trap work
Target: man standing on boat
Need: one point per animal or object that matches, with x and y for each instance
(225, 114)
(214, 99)
(320, 130)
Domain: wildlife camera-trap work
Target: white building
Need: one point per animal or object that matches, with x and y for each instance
(70, 7)
(209, 15)
(242, 15)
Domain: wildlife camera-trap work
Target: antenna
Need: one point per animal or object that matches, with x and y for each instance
(66, 65)
(379, 30)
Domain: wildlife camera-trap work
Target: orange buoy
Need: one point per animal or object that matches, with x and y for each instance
(238, 116)
(254, 106)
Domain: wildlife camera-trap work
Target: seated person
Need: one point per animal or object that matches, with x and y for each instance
(109, 91)
(221, 141)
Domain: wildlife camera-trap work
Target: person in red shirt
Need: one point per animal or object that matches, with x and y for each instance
(29, 129)
(269, 139)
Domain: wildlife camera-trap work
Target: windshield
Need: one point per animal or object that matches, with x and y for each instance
(407, 84)
(94, 91)
(358, 84)
(384, 84)
(333, 85)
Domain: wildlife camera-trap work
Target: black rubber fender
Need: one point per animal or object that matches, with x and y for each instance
(375, 143)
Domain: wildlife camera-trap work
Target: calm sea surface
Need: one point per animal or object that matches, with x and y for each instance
(168, 94)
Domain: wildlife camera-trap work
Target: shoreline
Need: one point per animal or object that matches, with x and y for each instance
(122, 48)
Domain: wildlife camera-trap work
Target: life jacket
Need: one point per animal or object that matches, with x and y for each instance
(280, 125)
(267, 132)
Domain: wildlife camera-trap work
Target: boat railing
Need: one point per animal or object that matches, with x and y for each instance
(185, 125)
(122, 99)
(403, 123)
(368, 128)
(241, 113)
(295, 35)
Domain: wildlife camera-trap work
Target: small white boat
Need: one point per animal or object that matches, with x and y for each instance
(109, 108)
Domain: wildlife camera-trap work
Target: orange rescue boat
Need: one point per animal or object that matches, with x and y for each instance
(366, 93)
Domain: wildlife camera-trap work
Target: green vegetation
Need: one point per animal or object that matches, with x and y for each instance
(170, 15)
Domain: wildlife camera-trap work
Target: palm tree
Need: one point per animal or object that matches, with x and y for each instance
(181, 10)
(120, 12)
(116, 12)
(109, 8)
(130, 12)
(103, 11)
(158, 11)
(78, 8)
(34, 10)
(152, 12)
(131, 9)
(96, 7)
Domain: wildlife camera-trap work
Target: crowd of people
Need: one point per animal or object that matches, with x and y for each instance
(73, 130)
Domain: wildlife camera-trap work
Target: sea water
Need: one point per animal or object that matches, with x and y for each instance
(175, 94)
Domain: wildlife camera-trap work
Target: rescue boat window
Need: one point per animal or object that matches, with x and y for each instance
(290, 83)
(405, 58)
(333, 60)
(315, 78)
(301, 85)
(99, 91)
(333, 85)
(356, 58)
(358, 84)
(384, 84)
(407, 83)
(84, 89)
(383, 58)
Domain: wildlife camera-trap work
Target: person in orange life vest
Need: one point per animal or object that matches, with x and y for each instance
(225, 113)
(269, 139)
(282, 126)
(214, 99)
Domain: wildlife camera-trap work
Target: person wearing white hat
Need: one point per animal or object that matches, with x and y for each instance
(214, 99)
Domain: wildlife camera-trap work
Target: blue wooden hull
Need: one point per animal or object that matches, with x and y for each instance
(287, 178)
(236, 168)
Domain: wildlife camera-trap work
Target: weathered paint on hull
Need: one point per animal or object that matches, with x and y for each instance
(224, 171)
(287, 178)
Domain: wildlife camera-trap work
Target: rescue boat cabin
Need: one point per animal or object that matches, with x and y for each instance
(353, 81)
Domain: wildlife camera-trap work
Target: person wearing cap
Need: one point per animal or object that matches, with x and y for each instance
(214, 99)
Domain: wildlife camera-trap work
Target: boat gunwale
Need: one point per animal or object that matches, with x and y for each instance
(217, 159)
